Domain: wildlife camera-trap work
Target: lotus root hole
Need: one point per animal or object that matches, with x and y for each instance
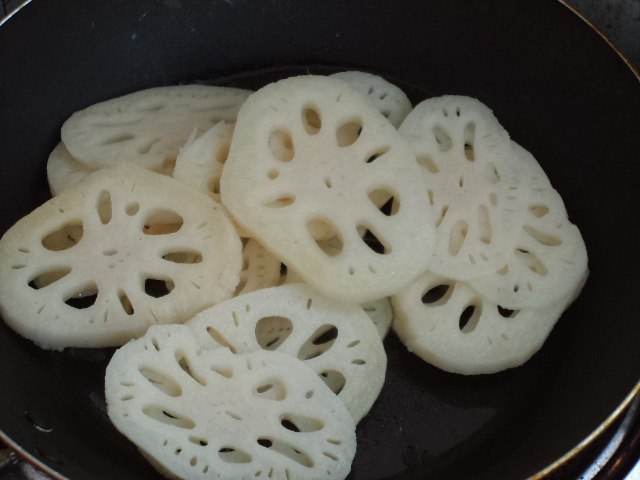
(48, 277)
(198, 441)
(63, 238)
(538, 211)
(374, 241)
(132, 208)
(531, 261)
(542, 238)
(162, 222)
(125, 302)
(469, 318)
(104, 207)
(183, 363)
(281, 145)
(270, 390)
(334, 380)
(484, 224)
(286, 450)
(272, 331)
(311, 120)
(273, 173)
(280, 201)
(427, 162)
(437, 295)
(377, 153)
(386, 201)
(299, 423)
(319, 342)
(443, 213)
(161, 381)
(457, 236)
(220, 339)
(469, 139)
(507, 313)
(326, 236)
(168, 417)
(214, 184)
(233, 455)
(443, 139)
(185, 257)
(348, 133)
(82, 297)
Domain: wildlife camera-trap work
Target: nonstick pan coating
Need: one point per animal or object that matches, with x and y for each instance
(556, 86)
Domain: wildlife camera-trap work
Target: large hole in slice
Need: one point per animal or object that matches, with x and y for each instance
(168, 417)
(233, 455)
(125, 302)
(220, 339)
(272, 389)
(104, 207)
(427, 162)
(83, 296)
(542, 238)
(377, 153)
(531, 261)
(469, 317)
(299, 423)
(286, 450)
(48, 277)
(348, 133)
(281, 146)
(184, 256)
(158, 288)
(443, 139)
(385, 200)
(334, 380)
(507, 313)
(64, 237)
(161, 381)
(272, 331)
(326, 236)
(538, 210)
(311, 120)
(162, 222)
(437, 295)
(319, 342)
(374, 240)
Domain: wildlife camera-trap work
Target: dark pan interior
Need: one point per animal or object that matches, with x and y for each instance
(553, 82)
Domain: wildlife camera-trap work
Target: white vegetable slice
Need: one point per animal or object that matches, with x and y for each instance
(387, 98)
(310, 151)
(147, 127)
(451, 326)
(63, 170)
(337, 340)
(122, 250)
(549, 260)
(211, 414)
(260, 269)
(471, 182)
(200, 161)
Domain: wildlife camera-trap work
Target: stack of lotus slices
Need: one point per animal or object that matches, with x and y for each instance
(245, 250)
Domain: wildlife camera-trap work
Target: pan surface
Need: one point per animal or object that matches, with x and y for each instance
(554, 84)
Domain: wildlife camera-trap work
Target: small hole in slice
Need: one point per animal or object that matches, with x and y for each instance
(281, 146)
(311, 120)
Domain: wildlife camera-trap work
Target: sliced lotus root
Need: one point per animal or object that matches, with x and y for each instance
(212, 414)
(200, 161)
(63, 170)
(451, 326)
(337, 340)
(549, 259)
(121, 250)
(260, 269)
(147, 127)
(387, 98)
(471, 182)
(310, 151)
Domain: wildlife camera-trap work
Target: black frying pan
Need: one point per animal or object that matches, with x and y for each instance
(551, 80)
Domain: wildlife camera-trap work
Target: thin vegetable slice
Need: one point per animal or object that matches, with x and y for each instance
(549, 259)
(337, 340)
(63, 170)
(211, 414)
(123, 249)
(448, 324)
(147, 127)
(309, 154)
(471, 183)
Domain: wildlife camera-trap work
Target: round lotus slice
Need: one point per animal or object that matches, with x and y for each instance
(451, 326)
(337, 340)
(200, 161)
(63, 170)
(147, 127)
(387, 98)
(549, 259)
(310, 152)
(260, 269)
(121, 250)
(471, 182)
(212, 414)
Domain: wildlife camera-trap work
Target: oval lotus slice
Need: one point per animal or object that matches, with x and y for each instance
(471, 183)
(212, 414)
(147, 127)
(386, 97)
(310, 155)
(549, 259)
(451, 326)
(337, 340)
(121, 250)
